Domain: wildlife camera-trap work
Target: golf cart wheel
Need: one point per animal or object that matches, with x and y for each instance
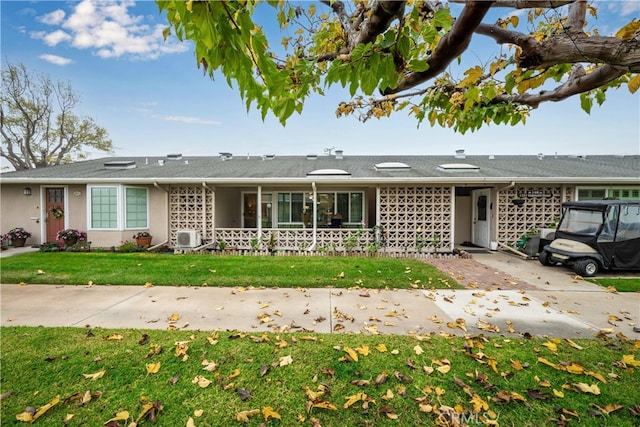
(545, 259)
(586, 267)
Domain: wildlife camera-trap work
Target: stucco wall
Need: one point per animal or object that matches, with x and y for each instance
(19, 210)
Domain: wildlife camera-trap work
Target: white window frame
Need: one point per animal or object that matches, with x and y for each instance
(121, 211)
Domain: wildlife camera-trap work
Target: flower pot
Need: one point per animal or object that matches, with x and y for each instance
(18, 243)
(143, 241)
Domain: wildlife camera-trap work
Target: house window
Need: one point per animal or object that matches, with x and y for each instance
(117, 207)
(608, 193)
(350, 206)
(136, 207)
(104, 207)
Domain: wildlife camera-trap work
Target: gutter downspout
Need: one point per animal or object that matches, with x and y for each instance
(166, 202)
(314, 241)
(259, 213)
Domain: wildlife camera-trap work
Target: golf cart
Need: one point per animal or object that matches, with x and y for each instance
(594, 235)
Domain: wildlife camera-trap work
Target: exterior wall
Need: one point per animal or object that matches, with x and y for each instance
(19, 210)
(542, 205)
(405, 210)
(463, 219)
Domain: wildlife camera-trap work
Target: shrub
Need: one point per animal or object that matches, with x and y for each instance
(71, 233)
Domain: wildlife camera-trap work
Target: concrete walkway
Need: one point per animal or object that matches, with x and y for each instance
(556, 305)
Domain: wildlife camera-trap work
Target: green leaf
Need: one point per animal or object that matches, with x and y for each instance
(418, 65)
(442, 19)
(586, 102)
(404, 46)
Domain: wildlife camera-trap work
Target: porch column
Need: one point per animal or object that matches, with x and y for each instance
(259, 213)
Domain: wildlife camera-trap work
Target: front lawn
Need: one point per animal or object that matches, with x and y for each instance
(620, 284)
(200, 270)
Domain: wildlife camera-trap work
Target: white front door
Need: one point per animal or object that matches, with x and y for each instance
(481, 213)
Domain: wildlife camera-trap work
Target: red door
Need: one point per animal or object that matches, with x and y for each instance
(54, 205)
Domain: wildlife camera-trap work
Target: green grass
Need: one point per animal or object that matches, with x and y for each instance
(39, 364)
(196, 270)
(621, 284)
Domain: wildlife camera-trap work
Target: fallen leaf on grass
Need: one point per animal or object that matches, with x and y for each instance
(114, 337)
(201, 381)
(244, 415)
(94, 376)
(585, 388)
(268, 412)
(285, 360)
(119, 416)
(153, 368)
(32, 415)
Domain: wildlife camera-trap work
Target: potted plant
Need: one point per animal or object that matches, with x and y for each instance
(71, 236)
(517, 201)
(271, 245)
(143, 238)
(18, 236)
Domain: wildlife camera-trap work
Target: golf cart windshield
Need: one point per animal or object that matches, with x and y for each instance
(579, 221)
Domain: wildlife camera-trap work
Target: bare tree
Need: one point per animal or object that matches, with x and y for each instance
(38, 124)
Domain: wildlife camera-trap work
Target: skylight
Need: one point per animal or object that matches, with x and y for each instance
(392, 166)
(458, 167)
(329, 172)
(120, 164)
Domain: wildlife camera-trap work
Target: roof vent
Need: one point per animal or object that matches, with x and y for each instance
(540, 156)
(312, 156)
(226, 156)
(492, 157)
(460, 154)
(458, 167)
(339, 154)
(268, 157)
(120, 164)
(175, 156)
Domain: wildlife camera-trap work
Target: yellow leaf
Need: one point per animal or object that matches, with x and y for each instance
(628, 30)
(585, 388)
(514, 20)
(114, 337)
(353, 399)
(244, 415)
(558, 393)
(201, 381)
(551, 346)
(174, 317)
(629, 359)
(233, 374)
(68, 418)
(418, 349)
(515, 364)
(26, 417)
(191, 423)
(634, 83)
(94, 376)
(323, 404)
(198, 413)
(574, 368)
(153, 368)
(473, 75)
(546, 362)
(268, 412)
(148, 285)
(479, 404)
(443, 369)
(494, 364)
(351, 353)
(120, 416)
(181, 349)
(363, 350)
(286, 360)
(381, 348)
(573, 344)
(596, 375)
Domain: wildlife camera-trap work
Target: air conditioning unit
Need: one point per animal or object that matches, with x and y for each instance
(188, 238)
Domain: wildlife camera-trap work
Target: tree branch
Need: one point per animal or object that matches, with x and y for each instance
(452, 44)
(383, 13)
(578, 83)
(525, 4)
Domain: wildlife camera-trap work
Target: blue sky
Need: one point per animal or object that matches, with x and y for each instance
(153, 100)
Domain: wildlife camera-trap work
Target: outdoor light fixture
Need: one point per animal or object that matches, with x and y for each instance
(26, 191)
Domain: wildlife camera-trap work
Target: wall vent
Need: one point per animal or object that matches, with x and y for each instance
(120, 164)
(187, 238)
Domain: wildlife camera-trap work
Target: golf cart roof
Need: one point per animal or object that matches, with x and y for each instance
(599, 204)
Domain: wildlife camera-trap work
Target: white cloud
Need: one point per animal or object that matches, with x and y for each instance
(58, 36)
(53, 18)
(55, 59)
(109, 30)
(188, 120)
